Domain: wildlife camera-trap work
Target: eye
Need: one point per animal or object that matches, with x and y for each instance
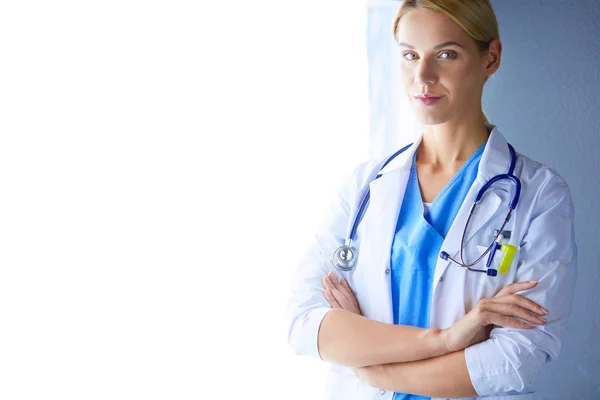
(414, 56)
(449, 55)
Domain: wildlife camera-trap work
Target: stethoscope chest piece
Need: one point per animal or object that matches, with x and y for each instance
(344, 258)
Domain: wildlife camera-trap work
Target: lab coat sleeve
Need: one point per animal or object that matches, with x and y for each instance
(512, 358)
(307, 305)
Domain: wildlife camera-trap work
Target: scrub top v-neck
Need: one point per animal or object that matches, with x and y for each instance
(417, 243)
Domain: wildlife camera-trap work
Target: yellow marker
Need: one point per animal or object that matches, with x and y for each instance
(509, 253)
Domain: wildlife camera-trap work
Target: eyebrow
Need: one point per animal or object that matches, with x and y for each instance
(439, 46)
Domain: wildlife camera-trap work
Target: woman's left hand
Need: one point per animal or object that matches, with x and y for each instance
(339, 294)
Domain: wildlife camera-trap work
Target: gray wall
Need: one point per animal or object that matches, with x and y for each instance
(546, 99)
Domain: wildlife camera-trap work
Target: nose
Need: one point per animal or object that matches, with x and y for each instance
(425, 72)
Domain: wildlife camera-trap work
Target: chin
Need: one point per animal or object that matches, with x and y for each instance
(430, 118)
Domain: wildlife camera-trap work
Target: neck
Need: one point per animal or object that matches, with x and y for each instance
(451, 143)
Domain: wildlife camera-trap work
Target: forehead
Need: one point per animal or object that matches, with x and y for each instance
(423, 28)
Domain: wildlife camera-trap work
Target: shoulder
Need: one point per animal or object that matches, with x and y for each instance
(542, 184)
(539, 173)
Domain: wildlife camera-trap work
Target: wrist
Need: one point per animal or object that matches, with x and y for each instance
(438, 339)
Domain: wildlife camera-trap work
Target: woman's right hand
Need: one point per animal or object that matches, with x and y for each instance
(500, 310)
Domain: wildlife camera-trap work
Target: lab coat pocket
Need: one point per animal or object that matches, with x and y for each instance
(481, 285)
(495, 264)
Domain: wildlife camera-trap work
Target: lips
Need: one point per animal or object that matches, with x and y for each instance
(427, 99)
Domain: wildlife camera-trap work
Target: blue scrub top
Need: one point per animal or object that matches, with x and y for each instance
(417, 244)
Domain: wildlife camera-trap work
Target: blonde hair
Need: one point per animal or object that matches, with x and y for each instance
(475, 17)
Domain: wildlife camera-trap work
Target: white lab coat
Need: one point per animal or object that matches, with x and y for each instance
(506, 365)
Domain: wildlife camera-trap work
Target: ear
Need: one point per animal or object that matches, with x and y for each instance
(491, 58)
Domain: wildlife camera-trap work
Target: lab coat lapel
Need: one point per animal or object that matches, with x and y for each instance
(386, 195)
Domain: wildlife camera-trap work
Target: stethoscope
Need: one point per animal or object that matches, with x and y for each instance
(346, 256)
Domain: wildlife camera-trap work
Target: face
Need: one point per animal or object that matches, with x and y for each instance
(438, 58)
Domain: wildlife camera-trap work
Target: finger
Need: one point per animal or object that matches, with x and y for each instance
(508, 322)
(516, 287)
(523, 302)
(337, 285)
(346, 286)
(343, 287)
(338, 290)
(350, 293)
(329, 281)
(342, 301)
(331, 300)
(326, 282)
(344, 297)
(335, 281)
(513, 310)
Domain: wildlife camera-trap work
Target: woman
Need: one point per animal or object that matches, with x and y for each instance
(410, 321)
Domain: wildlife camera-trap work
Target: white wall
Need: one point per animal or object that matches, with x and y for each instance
(163, 166)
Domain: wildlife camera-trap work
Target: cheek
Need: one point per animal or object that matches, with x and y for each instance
(462, 82)
(457, 72)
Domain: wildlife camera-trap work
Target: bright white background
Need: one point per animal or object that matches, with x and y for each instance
(163, 165)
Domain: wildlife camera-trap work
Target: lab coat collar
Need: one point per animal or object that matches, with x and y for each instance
(495, 159)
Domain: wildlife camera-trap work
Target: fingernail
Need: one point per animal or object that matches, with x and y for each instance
(545, 311)
(533, 282)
